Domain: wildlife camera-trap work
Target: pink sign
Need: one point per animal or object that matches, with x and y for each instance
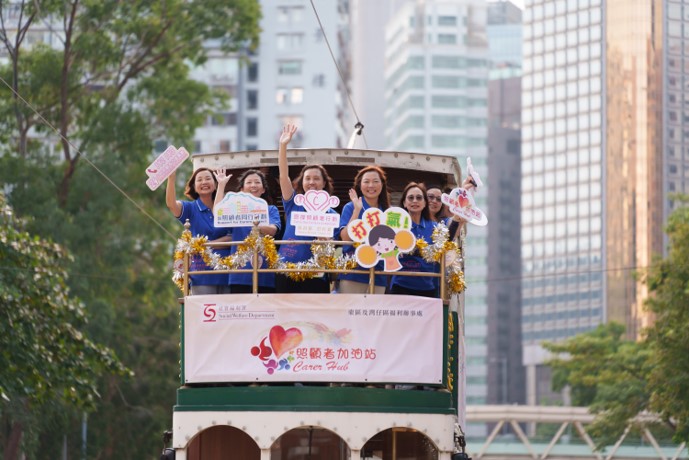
(166, 163)
(462, 204)
(313, 338)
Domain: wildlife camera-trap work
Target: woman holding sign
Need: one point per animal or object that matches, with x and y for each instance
(252, 182)
(370, 191)
(311, 177)
(201, 187)
(415, 202)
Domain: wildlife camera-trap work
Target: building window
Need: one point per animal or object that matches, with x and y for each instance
(287, 96)
(297, 95)
(447, 62)
(253, 72)
(252, 99)
(289, 68)
(197, 146)
(281, 96)
(289, 42)
(252, 127)
(447, 39)
(224, 119)
(319, 80)
(290, 14)
(224, 146)
(447, 20)
(160, 146)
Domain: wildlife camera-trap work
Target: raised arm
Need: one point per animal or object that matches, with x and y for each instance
(357, 207)
(173, 205)
(285, 182)
(222, 179)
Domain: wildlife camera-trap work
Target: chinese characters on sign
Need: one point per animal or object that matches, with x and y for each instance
(316, 220)
(385, 236)
(239, 209)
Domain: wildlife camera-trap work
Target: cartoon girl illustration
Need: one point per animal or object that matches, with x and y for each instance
(382, 239)
(385, 244)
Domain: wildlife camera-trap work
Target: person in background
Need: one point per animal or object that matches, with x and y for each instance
(415, 201)
(254, 183)
(201, 187)
(311, 177)
(370, 191)
(438, 211)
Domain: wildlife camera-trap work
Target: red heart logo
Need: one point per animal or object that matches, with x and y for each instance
(283, 340)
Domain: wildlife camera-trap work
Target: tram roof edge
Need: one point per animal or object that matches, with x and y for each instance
(418, 161)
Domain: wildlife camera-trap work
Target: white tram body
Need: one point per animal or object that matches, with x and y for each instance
(322, 376)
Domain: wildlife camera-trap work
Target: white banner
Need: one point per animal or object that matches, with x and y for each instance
(313, 338)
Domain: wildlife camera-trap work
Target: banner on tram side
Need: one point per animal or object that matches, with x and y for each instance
(313, 338)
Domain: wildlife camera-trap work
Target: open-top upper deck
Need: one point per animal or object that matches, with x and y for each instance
(371, 369)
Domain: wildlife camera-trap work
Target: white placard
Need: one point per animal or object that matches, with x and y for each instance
(239, 209)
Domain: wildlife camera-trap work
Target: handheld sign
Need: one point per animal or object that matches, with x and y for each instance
(166, 163)
(239, 209)
(461, 203)
(385, 235)
(316, 221)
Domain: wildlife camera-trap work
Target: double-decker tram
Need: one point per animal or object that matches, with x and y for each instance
(322, 376)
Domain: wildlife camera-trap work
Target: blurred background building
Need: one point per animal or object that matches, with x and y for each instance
(505, 368)
(592, 165)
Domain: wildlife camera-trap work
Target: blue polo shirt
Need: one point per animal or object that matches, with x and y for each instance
(415, 263)
(201, 219)
(240, 234)
(380, 280)
(295, 252)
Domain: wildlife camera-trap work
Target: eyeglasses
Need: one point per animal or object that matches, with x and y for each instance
(415, 197)
(434, 198)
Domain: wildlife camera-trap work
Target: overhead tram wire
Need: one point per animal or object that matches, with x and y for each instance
(81, 154)
(339, 71)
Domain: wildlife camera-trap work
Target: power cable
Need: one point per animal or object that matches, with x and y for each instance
(359, 125)
(105, 176)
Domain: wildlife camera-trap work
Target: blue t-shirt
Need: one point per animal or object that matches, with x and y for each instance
(201, 219)
(239, 234)
(380, 280)
(415, 263)
(295, 252)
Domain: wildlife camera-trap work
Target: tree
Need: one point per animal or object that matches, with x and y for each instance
(44, 354)
(605, 372)
(619, 379)
(668, 337)
(117, 81)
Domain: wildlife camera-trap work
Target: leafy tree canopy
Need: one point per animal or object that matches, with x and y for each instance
(113, 79)
(619, 379)
(44, 355)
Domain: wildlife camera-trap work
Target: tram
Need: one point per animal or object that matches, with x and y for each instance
(322, 376)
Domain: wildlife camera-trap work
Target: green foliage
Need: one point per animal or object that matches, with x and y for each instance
(605, 372)
(619, 379)
(668, 337)
(43, 353)
(118, 82)
(45, 358)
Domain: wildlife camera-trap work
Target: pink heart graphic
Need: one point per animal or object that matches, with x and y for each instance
(316, 200)
(283, 340)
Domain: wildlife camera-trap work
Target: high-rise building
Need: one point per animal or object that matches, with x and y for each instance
(436, 77)
(289, 78)
(592, 165)
(505, 368)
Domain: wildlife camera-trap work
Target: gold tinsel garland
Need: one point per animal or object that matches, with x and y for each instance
(324, 257)
(433, 253)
